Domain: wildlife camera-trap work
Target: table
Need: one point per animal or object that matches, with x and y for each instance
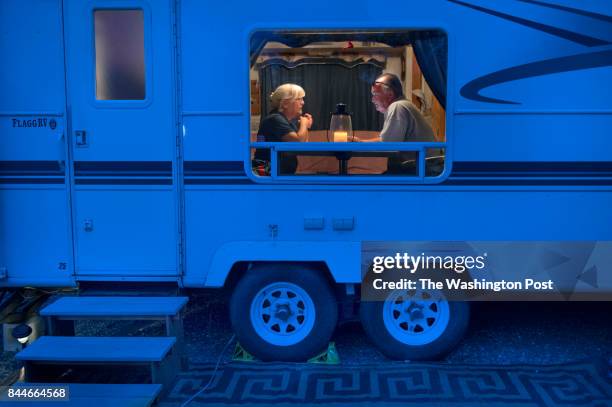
(339, 162)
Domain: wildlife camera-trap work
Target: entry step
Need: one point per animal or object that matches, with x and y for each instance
(114, 307)
(157, 354)
(97, 349)
(63, 311)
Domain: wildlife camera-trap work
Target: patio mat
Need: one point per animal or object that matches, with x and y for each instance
(394, 384)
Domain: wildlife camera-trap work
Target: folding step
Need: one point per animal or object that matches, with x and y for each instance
(99, 395)
(157, 353)
(71, 308)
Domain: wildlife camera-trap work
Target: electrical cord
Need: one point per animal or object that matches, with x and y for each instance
(36, 289)
(212, 377)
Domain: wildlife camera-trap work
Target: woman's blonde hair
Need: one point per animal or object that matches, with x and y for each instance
(287, 91)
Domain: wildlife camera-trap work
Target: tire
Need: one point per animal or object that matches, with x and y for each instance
(283, 312)
(415, 325)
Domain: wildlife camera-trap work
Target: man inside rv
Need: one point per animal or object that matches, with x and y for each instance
(285, 122)
(402, 121)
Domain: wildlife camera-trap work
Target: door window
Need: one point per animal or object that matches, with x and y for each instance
(120, 54)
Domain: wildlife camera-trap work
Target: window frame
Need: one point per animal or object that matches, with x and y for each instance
(148, 57)
(364, 179)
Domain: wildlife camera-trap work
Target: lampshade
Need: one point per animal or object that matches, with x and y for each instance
(340, 126)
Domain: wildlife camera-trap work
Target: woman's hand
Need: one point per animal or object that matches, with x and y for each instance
(307, 117)
(302, 134)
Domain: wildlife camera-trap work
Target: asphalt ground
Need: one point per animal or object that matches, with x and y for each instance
(508, 333)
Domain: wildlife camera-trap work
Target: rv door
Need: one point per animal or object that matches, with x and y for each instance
(121, 103)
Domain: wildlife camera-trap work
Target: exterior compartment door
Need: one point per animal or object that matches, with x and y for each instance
(35, 235)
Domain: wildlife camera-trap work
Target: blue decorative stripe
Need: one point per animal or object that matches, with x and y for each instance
(219, 181)
(584, 13)
(558, 32)
(215, 173)
(13, 181)
(232, 173)
(123, 172)
(556, 65)
(527, 182)
(531, 169)
(555, 173)
(30, 168)
(123, 168)
(214, 168)
(123, 181)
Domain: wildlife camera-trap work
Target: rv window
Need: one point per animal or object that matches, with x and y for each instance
(366, 104)
(120, 61)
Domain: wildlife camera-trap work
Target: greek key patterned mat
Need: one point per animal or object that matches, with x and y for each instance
(394, 384)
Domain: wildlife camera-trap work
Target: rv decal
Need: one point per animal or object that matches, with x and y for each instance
(556, 65)
(597, 59)
(579, 38)
(579, 12)
(29, 123)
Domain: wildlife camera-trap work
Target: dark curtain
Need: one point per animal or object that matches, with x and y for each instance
(326, 82)
(430, 49)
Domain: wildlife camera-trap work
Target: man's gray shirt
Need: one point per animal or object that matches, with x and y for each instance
(404, 122)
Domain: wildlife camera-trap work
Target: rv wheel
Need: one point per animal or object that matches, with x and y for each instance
(283, 312)
(415, 324)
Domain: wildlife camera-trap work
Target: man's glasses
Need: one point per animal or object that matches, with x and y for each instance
(380, 83)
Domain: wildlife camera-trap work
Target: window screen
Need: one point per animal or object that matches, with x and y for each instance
(120, 62)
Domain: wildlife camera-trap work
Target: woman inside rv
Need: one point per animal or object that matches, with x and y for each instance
(285, 122)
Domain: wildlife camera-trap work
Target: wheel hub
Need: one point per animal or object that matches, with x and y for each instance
(415, 314)
(416, 318)
(282, 313)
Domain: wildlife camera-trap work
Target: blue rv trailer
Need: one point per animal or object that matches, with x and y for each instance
(126, 150)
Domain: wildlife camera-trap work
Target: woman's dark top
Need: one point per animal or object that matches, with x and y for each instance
(272, 129)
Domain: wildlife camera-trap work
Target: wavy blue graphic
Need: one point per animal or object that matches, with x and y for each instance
(579, 38)
(556, 65)
(594, 59)
(579, 12)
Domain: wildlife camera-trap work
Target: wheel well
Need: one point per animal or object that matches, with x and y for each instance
(240, 268)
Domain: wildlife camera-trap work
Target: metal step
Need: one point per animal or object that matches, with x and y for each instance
(97, 349)
(82, 307)
(64, 310)
(155, 353)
